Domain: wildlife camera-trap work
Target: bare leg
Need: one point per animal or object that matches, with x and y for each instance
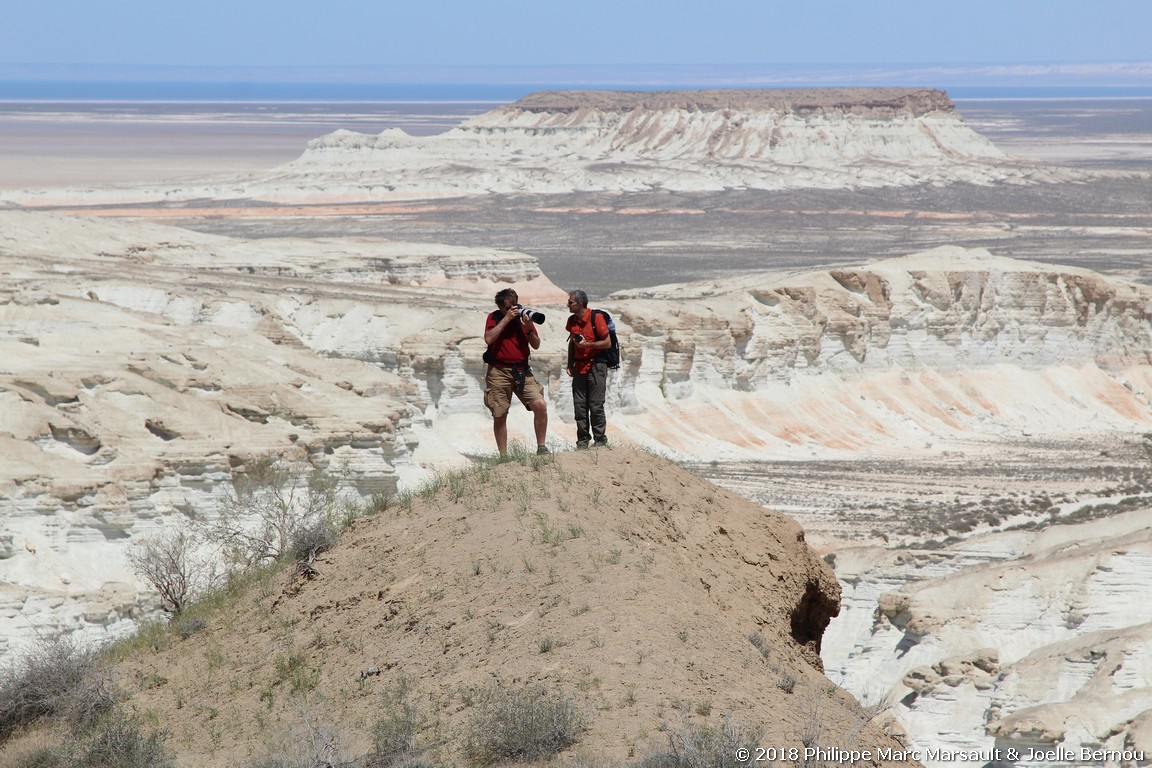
(500, 430)
(539, 421)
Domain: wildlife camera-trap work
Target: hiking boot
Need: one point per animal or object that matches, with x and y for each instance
(581, 445)
(602, 442)
(542, 449)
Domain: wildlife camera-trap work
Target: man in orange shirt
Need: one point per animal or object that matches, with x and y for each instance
(509, 333)
(588, 336)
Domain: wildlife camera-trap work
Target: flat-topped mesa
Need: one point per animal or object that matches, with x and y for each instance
(686, 141)
(872, 102)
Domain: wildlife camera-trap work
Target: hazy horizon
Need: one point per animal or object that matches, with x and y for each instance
(68, 83)
(1097, 73)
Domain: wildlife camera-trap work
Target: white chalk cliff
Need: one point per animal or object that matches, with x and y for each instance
(1026, 639)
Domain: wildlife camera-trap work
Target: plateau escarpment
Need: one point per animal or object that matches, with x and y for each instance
(680, 140)
(886, 358)
(613, 141)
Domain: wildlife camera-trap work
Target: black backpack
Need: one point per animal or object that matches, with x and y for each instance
(611, 356)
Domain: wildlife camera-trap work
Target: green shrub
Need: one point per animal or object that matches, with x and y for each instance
(520, 724)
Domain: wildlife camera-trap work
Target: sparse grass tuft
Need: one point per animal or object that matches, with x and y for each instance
(294, 670)
(520, 724)
(121, 742)
(378, 502)
(395, 734)
(694, 746)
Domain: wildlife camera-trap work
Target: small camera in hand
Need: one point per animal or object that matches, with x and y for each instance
(577, 338)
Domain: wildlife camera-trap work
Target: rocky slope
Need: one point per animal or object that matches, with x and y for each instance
(555, 142)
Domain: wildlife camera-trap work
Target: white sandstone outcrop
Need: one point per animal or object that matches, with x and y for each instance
(1029, 639)
(614, 141)
(883, 357)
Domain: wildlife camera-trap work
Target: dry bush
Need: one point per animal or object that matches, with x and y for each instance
(54, 678)
(696, 746)
(311, 540)
(520, 725)
(309, 744)
(116, 740)
(395, 734)
(171, 563)
(43, 757)
(41, 749)
(120, 741)
(272, 502)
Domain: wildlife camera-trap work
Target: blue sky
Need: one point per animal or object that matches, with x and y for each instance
(441, 36)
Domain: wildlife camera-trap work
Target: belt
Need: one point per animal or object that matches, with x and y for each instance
(520, 370)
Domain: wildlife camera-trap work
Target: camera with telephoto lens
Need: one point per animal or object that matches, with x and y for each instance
(532, 314)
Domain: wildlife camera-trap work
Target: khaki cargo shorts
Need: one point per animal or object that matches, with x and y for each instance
(500, 383)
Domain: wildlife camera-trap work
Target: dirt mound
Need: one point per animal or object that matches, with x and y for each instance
(655, 600)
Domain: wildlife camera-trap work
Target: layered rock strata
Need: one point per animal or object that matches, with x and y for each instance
(682, 140)
(1031, 639)
(140, 365)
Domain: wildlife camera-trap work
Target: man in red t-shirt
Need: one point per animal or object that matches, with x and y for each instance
(588, 336)
(509, 334)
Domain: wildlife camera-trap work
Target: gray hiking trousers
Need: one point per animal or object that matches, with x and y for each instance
(588, 393)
